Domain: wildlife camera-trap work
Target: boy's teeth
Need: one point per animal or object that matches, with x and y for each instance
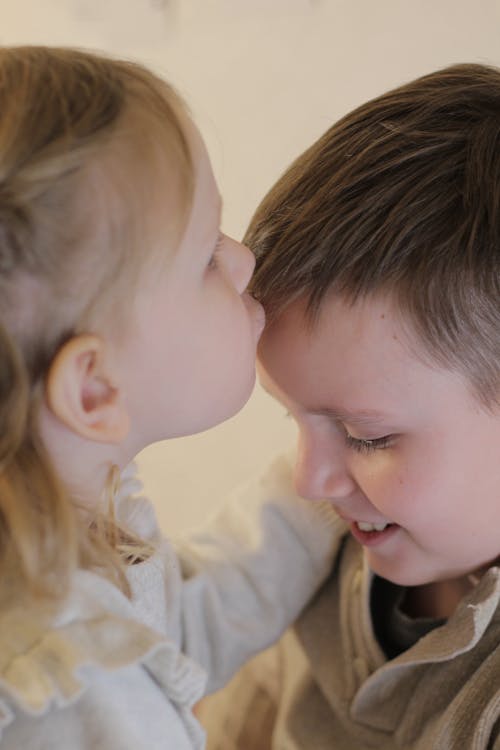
(364, 526)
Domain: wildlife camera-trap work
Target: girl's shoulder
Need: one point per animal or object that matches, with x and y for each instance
(51, 659)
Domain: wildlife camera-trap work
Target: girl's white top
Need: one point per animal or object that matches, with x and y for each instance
(111, 673)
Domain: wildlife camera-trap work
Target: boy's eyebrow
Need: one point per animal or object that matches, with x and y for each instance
(359, 417)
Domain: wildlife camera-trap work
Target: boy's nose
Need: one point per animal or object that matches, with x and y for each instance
(321, 472)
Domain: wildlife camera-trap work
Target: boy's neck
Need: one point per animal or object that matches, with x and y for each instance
(439, 599)
(436, 600)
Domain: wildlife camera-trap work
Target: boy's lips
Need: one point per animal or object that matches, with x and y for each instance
(375, 536)
(369, 533)
(351, 519)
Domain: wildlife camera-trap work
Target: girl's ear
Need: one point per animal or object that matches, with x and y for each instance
(81, 393)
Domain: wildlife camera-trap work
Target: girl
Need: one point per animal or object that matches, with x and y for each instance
(124, 320)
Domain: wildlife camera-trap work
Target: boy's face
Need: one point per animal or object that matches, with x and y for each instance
(387, 438)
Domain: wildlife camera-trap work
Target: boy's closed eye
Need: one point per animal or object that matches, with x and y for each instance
(365, 445)
(361, 445)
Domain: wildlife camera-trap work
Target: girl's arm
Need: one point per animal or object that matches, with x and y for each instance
(246, 575)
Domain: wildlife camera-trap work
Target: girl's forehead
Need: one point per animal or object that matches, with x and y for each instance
(206, 201)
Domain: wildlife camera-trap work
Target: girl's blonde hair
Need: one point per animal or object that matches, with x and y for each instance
(83, 142)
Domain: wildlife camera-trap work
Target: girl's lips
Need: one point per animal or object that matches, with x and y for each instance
(372, 538)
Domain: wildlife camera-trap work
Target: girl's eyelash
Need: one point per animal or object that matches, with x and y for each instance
(212, 263)
(367, 446)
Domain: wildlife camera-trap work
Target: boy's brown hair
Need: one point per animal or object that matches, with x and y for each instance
(400, 197)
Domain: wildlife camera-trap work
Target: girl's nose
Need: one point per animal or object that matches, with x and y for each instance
(321, 472)
(240, 262)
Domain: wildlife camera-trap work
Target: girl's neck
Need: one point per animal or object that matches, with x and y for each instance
(83, 466)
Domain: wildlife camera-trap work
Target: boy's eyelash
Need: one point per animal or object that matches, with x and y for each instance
(361, 445)
(212, 263)
(367, 446)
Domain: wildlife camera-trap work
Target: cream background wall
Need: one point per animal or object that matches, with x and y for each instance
(263, 79)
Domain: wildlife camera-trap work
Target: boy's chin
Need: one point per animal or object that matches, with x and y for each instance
(401, 576)
(408, 577)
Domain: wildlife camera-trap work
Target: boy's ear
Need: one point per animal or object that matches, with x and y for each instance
(81, 393)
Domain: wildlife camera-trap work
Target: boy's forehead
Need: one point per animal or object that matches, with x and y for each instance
(343, 337)
(356, 358)
(340, 320)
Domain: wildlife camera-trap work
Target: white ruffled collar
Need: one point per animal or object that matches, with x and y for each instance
(45, 658)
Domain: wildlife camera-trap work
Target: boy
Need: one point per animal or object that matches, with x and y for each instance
(378, 261)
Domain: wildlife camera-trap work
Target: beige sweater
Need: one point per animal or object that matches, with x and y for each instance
(443, 693)
(335, 689)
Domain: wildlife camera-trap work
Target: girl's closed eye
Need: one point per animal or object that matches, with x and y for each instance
(212, 263)
(364, 445)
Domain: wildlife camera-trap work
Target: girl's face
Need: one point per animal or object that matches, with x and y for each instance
(190, 361)
(401, 449)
